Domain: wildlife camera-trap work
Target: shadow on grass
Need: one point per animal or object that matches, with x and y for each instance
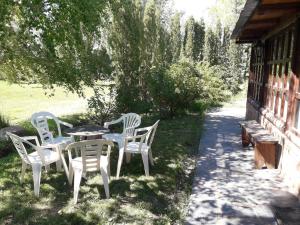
(158, 199)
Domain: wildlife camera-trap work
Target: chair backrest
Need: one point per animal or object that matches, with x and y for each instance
(130, 122)
(146, 138)
(151, 134)
(91, 150)
(40, 122)
(18, 143)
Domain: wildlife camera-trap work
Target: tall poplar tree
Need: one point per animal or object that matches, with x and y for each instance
(189, 38)
(211, 47)
(125, 39)
(199, 40)
(151, 32)
(175, 39)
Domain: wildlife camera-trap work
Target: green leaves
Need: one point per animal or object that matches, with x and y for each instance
(54, 42)
(175, 89)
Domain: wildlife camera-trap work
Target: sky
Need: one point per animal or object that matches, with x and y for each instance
(195, 8)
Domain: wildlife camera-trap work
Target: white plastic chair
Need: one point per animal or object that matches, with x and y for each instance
(40, 122)
(143, 146)
(130, 122)
(42, 156)
(95, 156)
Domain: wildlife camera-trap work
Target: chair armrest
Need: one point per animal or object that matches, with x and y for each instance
(28, 138)
(40, 153)
(106, 124)
(138, 130)
(65, 124)
(133, 138)
(70, 148)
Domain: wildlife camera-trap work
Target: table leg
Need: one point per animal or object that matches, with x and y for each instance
(63, 160)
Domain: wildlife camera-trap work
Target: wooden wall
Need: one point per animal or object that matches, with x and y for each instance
(274, 95)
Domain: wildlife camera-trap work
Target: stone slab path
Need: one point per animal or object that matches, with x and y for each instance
(227, 189)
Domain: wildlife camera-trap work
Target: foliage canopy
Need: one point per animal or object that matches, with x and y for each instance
(136, 45)
(53, 42)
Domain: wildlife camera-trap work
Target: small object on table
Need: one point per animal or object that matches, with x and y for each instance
(87, 132)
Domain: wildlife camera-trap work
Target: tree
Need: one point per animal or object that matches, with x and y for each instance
(139, 43)
(189, 38)
(226, 11)
(126, 40)
(237, 66)
(194, 39)
(53, 42)
(199, 40)
(151, 32)
(211, 47)
(175, 40)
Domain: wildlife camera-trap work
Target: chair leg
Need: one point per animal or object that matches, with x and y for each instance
(146, 162)
(59, 162)
(58, 166)
(120, 144)
(108, 169)
(47, 168)
(71, 174)
(128, 157)
(105, 180)
(24, 166)
(36, 170)
(77, 179)
(121, 153)
(151, 157)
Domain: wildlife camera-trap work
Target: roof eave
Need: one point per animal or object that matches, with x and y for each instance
(247, 12)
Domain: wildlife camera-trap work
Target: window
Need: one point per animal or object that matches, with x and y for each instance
(279, 57)
(256, 74)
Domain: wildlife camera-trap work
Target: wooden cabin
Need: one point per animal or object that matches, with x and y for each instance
(272, 28)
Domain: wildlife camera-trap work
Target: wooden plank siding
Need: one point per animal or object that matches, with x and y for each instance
(273, 28)
(273, 80)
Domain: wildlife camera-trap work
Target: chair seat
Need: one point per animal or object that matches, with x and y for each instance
(60, 141)
(133, 147)
(49, 156)
(115, 137)
(77, 163)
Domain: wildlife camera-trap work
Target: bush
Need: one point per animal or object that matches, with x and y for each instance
(162, 91)
(214, 89)
(6, 147)
(132, 96)
(187, 82)
(174, 90)
(102, 106)
(4, 122)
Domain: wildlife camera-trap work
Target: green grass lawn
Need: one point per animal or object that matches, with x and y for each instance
(18, 103)
(135, 199)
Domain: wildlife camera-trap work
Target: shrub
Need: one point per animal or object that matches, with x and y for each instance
(214, 89)
(5, 147)
(175, 89)
(4, 122)
(132, 95)
(162, 91)
(102, 106)
(187, 82)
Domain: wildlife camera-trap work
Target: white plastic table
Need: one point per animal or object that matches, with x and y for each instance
(87, 131)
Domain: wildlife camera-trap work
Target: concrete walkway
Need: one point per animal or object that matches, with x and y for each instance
(227, 189)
